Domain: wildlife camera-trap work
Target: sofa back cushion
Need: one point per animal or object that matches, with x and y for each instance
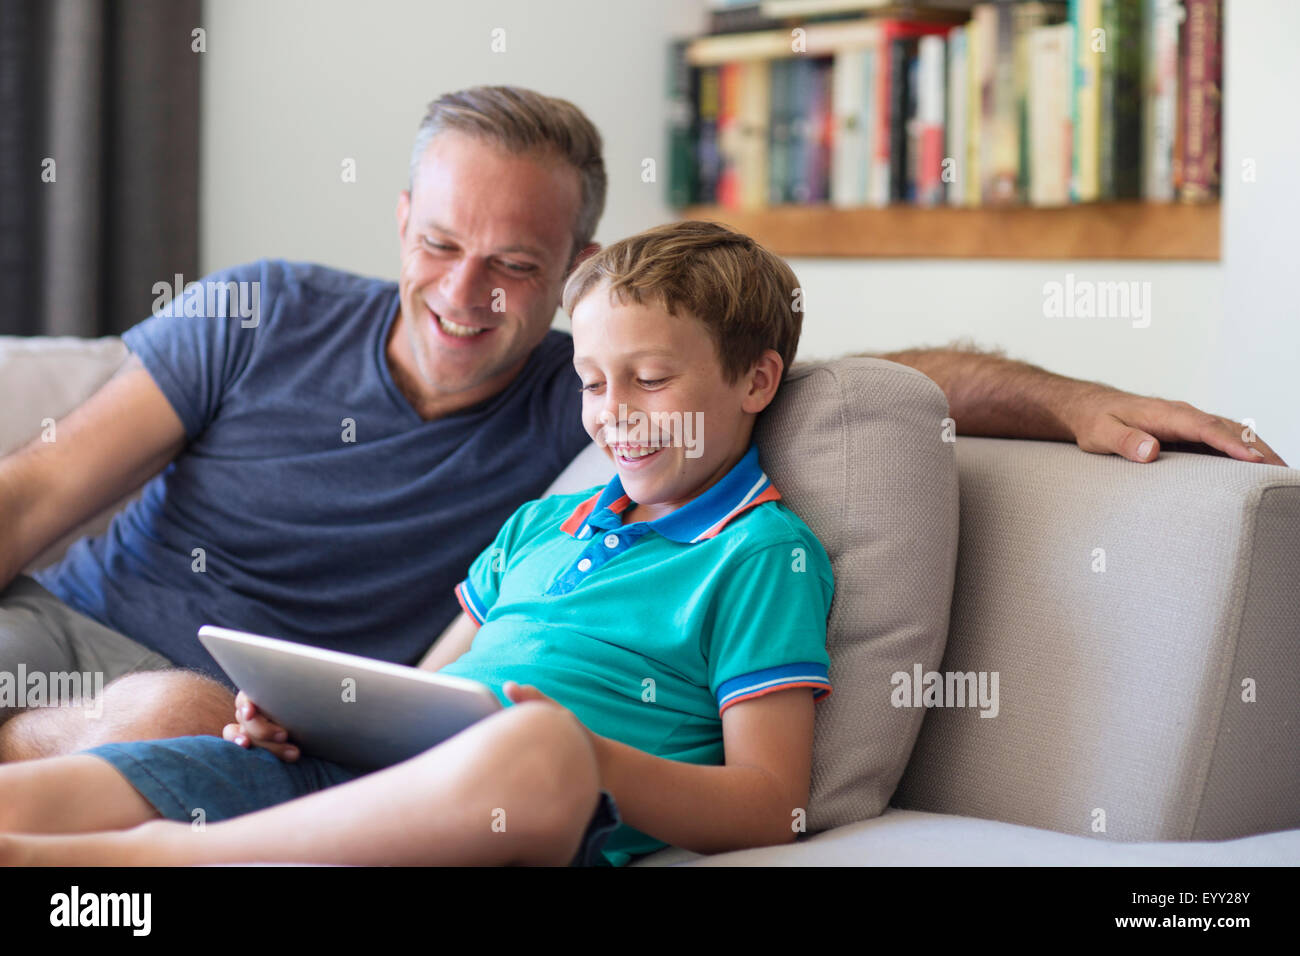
(856, 447)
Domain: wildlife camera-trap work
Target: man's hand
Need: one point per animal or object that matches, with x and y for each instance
(255, 730)
(997, 397)
(1105, 420)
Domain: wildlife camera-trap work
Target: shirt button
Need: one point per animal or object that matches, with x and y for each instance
(611, 541)
(584, 564)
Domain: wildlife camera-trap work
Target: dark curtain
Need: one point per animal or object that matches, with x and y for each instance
(109, 90)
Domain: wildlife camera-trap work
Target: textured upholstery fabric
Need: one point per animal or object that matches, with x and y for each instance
(44, 378)
(1122, 690)
(912, 838)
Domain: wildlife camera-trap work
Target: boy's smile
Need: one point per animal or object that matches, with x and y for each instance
(655, 398)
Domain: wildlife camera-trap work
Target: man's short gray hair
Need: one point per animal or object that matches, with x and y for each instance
(523, 121)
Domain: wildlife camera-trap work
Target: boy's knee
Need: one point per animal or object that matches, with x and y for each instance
(562, 776)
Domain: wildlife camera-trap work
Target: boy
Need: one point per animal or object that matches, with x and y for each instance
(663, 637)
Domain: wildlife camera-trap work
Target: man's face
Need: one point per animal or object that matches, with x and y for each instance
(637, 364)
(486, 239)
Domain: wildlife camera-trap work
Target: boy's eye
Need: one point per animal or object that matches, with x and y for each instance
(592, 387)
(651, 382)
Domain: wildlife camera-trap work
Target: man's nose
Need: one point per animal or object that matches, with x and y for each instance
(464, 284)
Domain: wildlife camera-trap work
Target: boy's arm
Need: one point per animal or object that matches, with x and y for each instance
(454, 642)
(751, 801)
(989, 394)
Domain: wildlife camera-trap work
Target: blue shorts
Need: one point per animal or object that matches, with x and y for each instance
(221, 778)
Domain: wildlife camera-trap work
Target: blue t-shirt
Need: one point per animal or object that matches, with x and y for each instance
(326, 510)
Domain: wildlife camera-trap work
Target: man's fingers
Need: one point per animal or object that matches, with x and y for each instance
(1110, 436)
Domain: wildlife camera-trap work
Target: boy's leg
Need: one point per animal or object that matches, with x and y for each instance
(71, 794)
(517, 787)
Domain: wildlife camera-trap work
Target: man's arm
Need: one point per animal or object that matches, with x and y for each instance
(751, 801)
(989, 394)
(114, 442)
(454, 642)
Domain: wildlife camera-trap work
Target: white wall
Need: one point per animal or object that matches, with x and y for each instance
(292, 88)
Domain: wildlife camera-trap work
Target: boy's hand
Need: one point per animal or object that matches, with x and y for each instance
(255, 730)
(518, 693)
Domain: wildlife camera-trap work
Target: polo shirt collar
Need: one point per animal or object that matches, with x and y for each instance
(743, 487)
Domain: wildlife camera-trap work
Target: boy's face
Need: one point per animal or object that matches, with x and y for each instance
(654, 396)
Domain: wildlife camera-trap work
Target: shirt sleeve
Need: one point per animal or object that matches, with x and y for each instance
(482, 585)
(195, 345)
(769, 625)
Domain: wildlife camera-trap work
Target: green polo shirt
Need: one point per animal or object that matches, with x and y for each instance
(649, 631)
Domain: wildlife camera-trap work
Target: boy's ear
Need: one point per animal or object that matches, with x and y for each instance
(764, 378)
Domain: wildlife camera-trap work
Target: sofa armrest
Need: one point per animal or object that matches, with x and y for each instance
(43, 379)
(1144, 621)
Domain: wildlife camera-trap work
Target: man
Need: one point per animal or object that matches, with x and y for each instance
(327, 471)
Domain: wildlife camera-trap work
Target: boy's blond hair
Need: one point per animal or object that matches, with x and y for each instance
(746, 297)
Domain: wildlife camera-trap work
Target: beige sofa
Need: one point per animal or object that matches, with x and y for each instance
(1143, 621)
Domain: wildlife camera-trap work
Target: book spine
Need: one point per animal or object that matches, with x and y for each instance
(1126, 144)
(1087, 126)
(929, 113)
(756, 106)
(823, 126)
(1161, 98)
(682, 132)
(899, 56)
(976, 53)
(955, 127)
(846, 147)
(1107, 78)
(708, 159)
(728, 135)
(778, 135)
(867, 121)
(1201, 99)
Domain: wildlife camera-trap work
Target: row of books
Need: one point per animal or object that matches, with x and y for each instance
(1036, 102)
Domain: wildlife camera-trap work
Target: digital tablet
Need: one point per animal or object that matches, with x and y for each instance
(346, 708)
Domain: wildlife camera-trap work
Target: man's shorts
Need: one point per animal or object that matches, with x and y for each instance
(41, 634)
(208, 778)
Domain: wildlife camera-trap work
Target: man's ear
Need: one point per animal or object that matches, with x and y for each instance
(403, 213)
(586, 252)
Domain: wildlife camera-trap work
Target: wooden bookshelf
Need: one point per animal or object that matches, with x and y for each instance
(1115, 230)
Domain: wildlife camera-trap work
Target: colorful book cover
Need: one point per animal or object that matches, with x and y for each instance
(729, 135)
(1089, 40)
(1051, 68)
(708, 159)
(890, 30)
(1126, 119)
(778, 134)
(931, 54)
(955, 125)
(755, 113)
(1160, 90)
(1201, 102)
(682, 131)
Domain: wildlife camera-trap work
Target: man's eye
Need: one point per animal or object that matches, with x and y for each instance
(440, 246)
(519, 267)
